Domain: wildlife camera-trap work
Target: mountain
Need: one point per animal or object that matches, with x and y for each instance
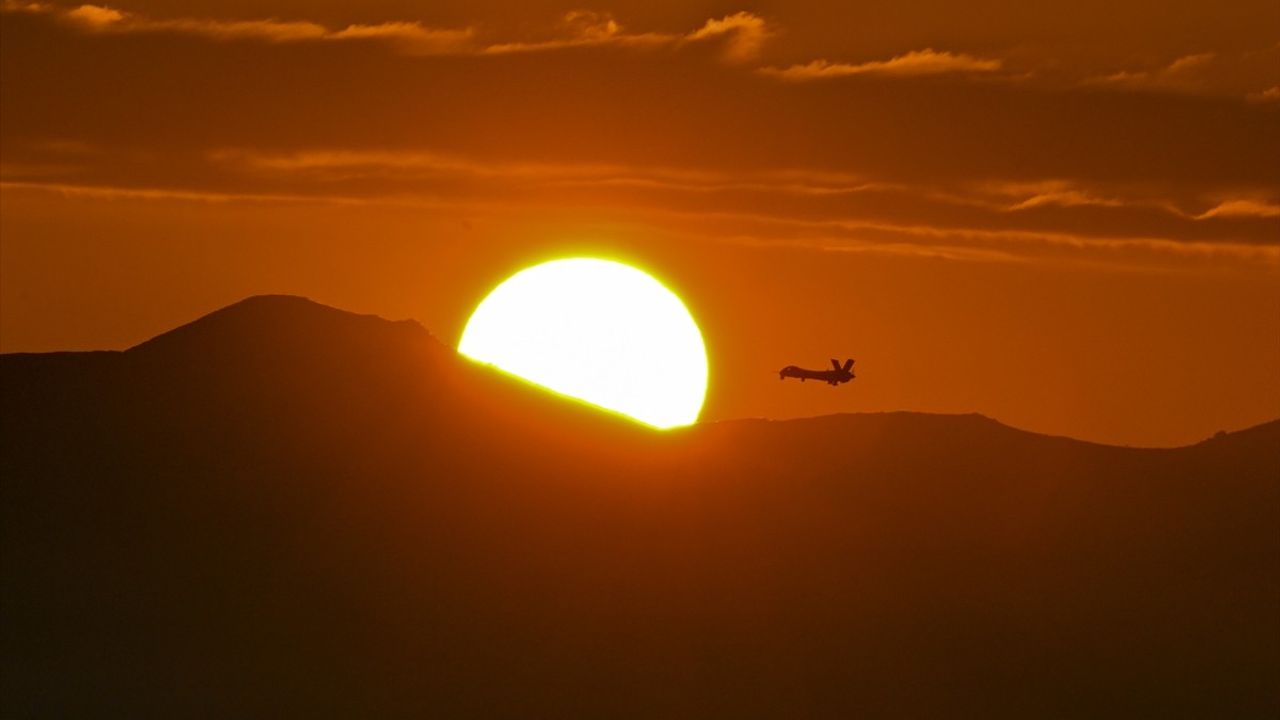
(286, 510)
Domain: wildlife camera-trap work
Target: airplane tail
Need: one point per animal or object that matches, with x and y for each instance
(848, 365)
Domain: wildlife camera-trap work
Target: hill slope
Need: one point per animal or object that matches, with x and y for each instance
(283, 508)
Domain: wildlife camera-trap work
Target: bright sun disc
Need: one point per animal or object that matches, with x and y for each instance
(598, 331)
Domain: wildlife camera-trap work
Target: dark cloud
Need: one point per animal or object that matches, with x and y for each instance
(919, 143)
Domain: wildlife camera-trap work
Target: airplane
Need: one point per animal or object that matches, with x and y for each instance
(832, 377)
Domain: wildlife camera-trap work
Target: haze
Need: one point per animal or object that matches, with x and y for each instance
(1065, 216)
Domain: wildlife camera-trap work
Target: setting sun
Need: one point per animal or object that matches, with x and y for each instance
(599, 331)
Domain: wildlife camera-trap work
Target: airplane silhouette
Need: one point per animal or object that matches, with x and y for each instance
(832, 377)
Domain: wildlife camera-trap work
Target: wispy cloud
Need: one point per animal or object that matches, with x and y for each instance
(112, 192)
(753, 227)
(95, 16)
(1065, 198)
(1059, 193)
(1019, 196)
(916, 62)
(1248, 75)
(822, 202)
(1270, 95)
(743, 34)
(20, 6)
(1180, 72)
(847, 246)
(581, 28)
(1241, 209)
(846, 235)
(347, 164)
(410, 37)
(1187, 63)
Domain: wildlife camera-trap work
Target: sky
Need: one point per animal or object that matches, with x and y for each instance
(1063, 215)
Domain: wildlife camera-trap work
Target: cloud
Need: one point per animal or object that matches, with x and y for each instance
(411, 164)
(1241, 209)
(678, 133)
(1238, 74)
(1137, 252)
(1188, 62)
(110, 192)
(746, 34)
(1065, 198)
(582, 28)
(742, 33)
(410, 37)
(17, 6)
(1270, 95)
(1134, 252)
(839, 235)
(1063, 194)
(916, 62)
(796, 203)
(589, 24)
(1059, 193)
(95, 16)
(1182, 73)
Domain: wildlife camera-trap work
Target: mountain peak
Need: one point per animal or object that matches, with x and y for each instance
(266, 321)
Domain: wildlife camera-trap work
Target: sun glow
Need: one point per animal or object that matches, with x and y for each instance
(599, 331)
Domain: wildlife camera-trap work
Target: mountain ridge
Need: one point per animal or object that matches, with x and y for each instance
(265, 316)
(340, 517)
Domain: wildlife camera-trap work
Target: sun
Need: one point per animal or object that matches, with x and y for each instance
(599, 331)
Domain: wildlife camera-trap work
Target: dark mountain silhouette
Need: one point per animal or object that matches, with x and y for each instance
(285, 510)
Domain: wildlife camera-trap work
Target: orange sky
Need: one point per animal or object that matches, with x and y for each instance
(1064, 216)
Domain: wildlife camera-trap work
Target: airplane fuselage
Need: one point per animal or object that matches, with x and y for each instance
(834, 376)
